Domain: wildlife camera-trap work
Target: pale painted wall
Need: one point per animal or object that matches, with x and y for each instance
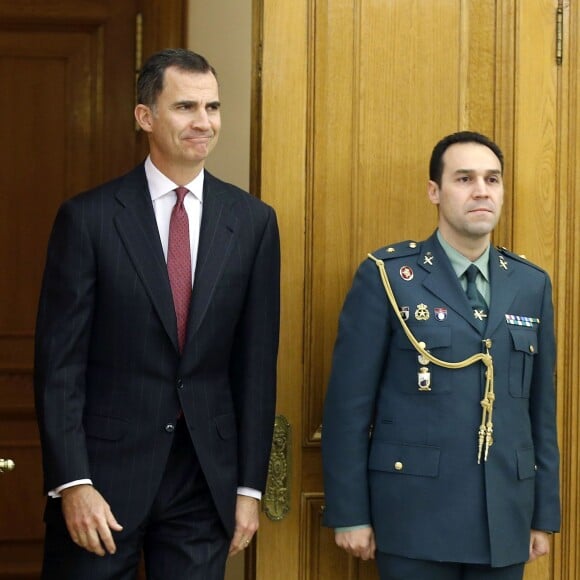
(221, 30)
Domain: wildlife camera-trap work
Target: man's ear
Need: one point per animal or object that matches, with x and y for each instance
(144, 117)
(433, 192)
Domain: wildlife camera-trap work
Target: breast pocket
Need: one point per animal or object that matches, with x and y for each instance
(525, 349)
(406, 366)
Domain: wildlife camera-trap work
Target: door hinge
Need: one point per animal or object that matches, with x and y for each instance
(559, 34)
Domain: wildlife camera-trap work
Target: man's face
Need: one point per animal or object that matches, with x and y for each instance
(470, 197)
(185, 122)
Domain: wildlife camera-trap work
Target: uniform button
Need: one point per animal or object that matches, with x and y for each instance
(398, 466)
(170, 427)
(532, 349)
(179, 383)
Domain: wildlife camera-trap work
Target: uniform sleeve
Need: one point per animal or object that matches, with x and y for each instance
(543, 418)
(358, 361)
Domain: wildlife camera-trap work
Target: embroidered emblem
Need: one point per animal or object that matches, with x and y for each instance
(406, 273)
(503, 263)
(422, 312)
(521, 320)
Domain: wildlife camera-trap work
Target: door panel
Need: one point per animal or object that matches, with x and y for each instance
(66, 106)
(368, 90)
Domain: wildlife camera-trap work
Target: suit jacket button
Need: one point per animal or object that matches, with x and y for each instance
(170, 427)
(179, 383)
(398, 466)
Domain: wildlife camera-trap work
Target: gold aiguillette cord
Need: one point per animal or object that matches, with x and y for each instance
(485, 431)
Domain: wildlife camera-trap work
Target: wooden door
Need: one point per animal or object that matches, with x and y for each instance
(354, 94)
(67, 74)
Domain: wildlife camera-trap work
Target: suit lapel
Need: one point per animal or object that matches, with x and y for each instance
(218, 226)
(442, 280)
(138, 229)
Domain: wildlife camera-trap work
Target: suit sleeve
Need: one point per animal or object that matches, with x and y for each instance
(61, 346)
(254, 358)
(543, 419)
(358, 362)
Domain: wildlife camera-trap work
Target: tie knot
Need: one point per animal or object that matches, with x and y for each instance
(181, 193)
(471, 273)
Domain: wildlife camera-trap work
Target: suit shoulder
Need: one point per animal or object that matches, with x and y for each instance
(398, 250)
(519, 258)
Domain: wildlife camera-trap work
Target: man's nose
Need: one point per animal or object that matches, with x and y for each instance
(480, 187)
(201, 119)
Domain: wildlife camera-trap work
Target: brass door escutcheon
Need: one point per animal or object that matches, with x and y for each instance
(277, 497)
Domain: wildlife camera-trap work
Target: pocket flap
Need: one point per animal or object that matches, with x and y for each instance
(526, 463)
(405, 458)
(433, 336)
(524, 339)
(226, 425)
(101, 427)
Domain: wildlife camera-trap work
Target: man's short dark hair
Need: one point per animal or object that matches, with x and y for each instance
(150, 81)
(436, 163)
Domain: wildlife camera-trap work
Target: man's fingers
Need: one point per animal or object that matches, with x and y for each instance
(90, 520)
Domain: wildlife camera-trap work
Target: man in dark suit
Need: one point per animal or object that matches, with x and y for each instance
(439, 431)
(156, 348)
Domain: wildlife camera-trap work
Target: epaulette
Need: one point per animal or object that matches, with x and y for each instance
(399, 250)
(519, 257)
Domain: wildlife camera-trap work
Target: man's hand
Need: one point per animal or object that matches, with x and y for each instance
(247, 521)
(89, 519)
(359, 543)
(539, 544)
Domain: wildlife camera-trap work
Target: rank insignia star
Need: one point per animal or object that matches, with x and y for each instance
(479, 314)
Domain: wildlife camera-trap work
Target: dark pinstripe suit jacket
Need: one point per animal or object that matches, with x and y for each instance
(108, 375)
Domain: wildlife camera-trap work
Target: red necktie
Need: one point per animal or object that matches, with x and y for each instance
(179, 263)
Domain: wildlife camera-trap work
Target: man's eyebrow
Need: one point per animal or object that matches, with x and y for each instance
(190, 103)
(487, 171)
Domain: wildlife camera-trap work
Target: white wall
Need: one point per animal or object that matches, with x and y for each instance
(221, 30)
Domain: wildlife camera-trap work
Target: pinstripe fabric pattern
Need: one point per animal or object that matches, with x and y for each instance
(109, 376)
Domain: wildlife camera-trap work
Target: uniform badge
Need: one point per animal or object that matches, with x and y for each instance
(479, 314)
(440, 313)
(406, 273)
(404, 310)
(422, 312)
(424, 379)
(428, 259)
(503, 263)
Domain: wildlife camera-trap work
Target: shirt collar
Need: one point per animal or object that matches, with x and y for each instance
(460, 263)
(160, 185)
